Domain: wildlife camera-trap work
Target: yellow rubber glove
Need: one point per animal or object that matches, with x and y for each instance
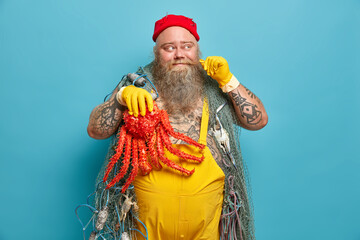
(135, 99)
(218, 69)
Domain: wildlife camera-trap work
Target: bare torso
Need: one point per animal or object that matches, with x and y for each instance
(189, 124)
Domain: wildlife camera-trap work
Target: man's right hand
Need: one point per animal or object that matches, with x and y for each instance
(135, 99)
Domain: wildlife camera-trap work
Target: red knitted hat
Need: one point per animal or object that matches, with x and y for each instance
(175, 20)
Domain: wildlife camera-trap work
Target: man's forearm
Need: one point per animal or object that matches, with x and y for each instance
(105, 119)
(249, 108)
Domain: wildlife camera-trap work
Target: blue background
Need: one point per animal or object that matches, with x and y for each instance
(59, 58)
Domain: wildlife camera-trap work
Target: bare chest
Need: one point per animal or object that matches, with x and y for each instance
(188, 123)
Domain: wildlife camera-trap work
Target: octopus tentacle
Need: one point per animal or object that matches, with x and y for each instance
(118, 152)
(154, 158)
(135, 165)
(165, 139)
(166, 161)
(144, 165)
(169, 130)
(125, 166)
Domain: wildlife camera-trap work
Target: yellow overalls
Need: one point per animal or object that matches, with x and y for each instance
(173, 206)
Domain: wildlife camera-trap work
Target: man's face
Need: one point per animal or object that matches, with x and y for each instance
(177, 47)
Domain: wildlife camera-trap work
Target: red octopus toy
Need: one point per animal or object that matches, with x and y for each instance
(146, 136)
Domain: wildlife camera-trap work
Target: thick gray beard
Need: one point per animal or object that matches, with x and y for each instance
(179, 89)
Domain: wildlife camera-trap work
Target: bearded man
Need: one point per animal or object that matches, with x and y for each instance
(205, 102)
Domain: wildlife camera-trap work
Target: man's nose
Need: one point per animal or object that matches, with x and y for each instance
(179, 53)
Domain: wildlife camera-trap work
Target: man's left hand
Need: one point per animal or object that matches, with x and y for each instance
(218, 69)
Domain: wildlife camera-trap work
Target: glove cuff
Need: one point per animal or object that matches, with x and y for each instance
(119, 96)
(231, 85)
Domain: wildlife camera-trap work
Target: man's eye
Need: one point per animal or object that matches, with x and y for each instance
(169, 48)
(187, 46)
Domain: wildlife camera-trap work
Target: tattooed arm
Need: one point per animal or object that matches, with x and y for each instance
(105, 118)
(249, 108)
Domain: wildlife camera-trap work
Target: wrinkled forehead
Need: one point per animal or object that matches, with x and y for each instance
(175, 35)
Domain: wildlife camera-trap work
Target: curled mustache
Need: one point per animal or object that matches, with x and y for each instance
(169, 65)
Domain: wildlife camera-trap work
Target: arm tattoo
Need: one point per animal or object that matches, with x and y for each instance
(251, 94)
(106, 118)
(248, 110)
